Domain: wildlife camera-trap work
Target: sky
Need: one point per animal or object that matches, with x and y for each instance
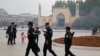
(27, 6)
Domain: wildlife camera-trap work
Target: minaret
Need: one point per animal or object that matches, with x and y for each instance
(39, 10)
(39, 16)
(64, 6)
(77, 10)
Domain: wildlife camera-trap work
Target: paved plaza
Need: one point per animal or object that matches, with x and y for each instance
(19, 49)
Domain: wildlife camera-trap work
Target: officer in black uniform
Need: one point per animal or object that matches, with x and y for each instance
(31, 41)
(68, 42)
(48, 40)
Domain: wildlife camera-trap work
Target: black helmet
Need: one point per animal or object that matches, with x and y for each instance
(46, 24)
(12, 23)
(30, 23)
(68, 28)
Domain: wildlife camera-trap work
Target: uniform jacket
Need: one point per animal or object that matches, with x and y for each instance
(49, 33)
(68, 38)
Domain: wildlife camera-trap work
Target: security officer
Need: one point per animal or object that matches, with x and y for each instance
(68, 42)
(31, 41)
(48, 40)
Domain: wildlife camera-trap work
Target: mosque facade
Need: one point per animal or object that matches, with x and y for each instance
(61, 16)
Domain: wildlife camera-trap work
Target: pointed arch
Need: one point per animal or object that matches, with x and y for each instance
(60, 19)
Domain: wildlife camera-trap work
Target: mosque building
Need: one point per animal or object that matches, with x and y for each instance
(61, 16)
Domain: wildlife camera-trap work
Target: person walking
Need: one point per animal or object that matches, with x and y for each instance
(37, 34)
(10, 32)
(48, 40)
(14, 34)
(68, 42)
(31, 41)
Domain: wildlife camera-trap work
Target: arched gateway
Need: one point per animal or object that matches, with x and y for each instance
(60, 20)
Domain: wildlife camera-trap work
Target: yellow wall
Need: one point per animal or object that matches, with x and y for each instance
(53, 19)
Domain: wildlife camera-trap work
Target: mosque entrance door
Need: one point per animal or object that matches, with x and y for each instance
(61, 20)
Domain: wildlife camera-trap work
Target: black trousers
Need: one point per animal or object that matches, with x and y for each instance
(10, 39)
(33, 50)
(67, 50)
(14, 40)
(49, 48)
